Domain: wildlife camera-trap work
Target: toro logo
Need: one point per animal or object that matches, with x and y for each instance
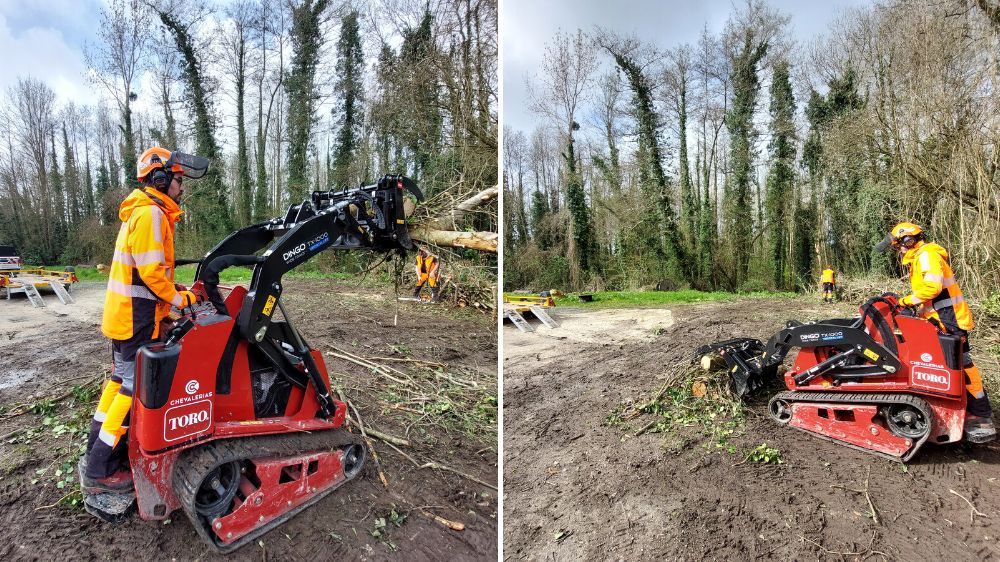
(929, 377)
(187, 420)
(293, 253)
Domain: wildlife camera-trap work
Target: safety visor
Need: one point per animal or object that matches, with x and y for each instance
(885, 244)
(194, 166)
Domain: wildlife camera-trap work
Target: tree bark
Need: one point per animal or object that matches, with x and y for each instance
(482, 241)
(453, 218)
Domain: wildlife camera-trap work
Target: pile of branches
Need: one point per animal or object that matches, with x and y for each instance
(689, 395)
(431, 393)
(859, 288)
(423, 393)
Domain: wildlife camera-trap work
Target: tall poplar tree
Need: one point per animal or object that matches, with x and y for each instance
(348, 114)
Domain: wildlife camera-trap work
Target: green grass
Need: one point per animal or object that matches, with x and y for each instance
(630, 299)
(185, 274)
(83, 273)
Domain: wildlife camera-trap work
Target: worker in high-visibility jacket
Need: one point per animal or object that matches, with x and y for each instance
(936, 296)
(428, 271)
(829, 281)
(139, 295)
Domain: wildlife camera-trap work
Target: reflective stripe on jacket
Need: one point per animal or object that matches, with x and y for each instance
(827, 276)
(141, 279)
(934, 288)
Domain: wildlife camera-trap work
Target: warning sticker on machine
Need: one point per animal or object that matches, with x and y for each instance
(269, 305)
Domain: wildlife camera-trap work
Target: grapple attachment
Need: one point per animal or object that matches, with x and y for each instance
(745, 359)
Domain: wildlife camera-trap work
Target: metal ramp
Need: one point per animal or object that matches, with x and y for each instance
(540, 313)
(519, 321)
(61, 292)
(32, 293)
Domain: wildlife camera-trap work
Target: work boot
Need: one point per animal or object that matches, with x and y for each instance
(436, 294)
(979, 429)
(416, 292)
(118, 482)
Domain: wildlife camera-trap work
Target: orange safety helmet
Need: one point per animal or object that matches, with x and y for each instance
(899, 234)
(153, 159)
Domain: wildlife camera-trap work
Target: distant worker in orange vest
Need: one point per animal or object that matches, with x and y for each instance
(829, 281)
(428, 271)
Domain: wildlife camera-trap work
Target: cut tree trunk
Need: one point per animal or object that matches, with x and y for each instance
(482, 241)
(441, 231)
(451, 219)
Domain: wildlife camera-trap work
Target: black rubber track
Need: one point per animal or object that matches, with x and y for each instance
(194, 464)
(861, 399)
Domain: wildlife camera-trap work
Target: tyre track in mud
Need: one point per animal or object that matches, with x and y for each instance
(576, 488)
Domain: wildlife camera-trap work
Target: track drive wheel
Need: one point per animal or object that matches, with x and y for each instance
(216, 491)
(906, 421)
(780, 410)
(355, 456)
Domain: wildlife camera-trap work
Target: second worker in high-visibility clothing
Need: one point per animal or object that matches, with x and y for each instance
(829, 281)
(937, 297)
(428, 271)
(139, 295)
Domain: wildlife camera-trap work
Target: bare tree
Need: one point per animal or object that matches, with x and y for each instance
(116, 62)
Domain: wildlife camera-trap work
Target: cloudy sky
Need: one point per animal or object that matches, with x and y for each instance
(526, 25)
(45, 39)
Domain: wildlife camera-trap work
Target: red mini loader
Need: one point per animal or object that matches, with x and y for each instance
(232, 420)
(885, 382)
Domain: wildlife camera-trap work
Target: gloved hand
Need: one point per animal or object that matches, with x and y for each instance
(892, 298)
(187, 298)
(178, 287)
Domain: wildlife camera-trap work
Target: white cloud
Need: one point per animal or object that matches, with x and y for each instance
(44, 54)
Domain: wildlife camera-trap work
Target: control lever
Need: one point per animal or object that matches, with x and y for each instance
(180, 328)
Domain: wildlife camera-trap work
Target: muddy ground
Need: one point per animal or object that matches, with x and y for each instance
(577, 487)
(45, 352)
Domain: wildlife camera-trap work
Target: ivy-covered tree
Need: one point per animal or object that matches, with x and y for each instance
(301, 88)
(59, 197)
(420, 123)
(742, 134)
(349, 90)
(209, 211)
(651, 173)
(71, 176)
(781, 179)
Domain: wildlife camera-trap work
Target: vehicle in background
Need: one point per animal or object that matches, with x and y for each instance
(10, 259)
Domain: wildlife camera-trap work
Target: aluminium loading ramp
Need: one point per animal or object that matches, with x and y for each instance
(32, 293)
(540, 313)
(61, 292)
(518, 320)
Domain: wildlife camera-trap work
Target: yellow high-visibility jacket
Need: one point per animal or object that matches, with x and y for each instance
(827, 276)
(934, 288)
(141, 279)
(427, 265)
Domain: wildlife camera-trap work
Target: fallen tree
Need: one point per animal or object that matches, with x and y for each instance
(442, 229)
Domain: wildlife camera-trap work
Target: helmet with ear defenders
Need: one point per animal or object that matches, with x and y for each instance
(160, 179)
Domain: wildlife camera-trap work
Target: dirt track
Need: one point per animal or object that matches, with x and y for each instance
(44, 352)
(576, 488)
